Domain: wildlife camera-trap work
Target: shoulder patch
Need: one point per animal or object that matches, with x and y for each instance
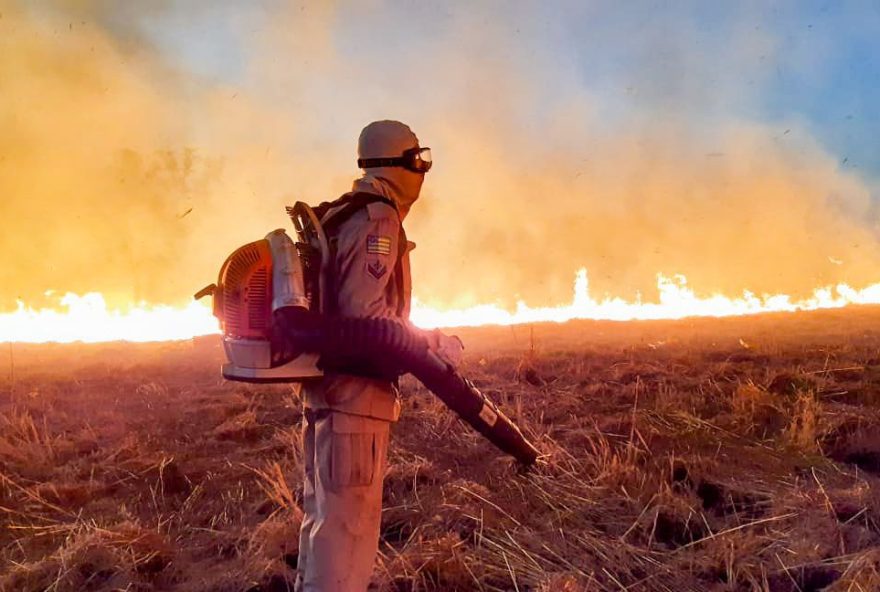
(378, 244)
(377, 269)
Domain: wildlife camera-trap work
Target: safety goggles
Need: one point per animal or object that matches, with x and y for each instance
(417, 160)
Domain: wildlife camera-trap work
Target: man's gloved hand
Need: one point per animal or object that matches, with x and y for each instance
(447, 347)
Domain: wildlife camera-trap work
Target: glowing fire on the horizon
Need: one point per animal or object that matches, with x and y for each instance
(87, 318)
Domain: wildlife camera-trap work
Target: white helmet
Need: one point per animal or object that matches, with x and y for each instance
(392, 144)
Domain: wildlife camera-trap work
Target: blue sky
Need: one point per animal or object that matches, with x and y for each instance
(817, 61)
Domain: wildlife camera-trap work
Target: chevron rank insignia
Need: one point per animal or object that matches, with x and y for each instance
(377, 269)
(378, 244)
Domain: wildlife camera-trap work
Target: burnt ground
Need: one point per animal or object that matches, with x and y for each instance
(722, 455)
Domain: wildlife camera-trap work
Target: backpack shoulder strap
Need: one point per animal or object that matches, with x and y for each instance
(345, 207)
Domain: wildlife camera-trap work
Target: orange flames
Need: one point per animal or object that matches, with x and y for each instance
(87, 318)
(676, 301)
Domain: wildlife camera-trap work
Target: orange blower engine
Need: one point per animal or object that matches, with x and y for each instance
(256, 280)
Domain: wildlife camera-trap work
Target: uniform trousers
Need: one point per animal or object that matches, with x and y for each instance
(345, 456)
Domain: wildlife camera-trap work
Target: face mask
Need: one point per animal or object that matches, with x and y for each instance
(417, 160)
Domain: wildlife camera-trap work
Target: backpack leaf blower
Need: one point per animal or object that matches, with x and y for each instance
(270, 304)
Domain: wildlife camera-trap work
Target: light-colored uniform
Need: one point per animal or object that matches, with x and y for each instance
(345, 434)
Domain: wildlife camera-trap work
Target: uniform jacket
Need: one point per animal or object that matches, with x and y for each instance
(367, 249)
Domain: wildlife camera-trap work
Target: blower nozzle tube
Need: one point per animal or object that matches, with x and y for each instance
(387, 347)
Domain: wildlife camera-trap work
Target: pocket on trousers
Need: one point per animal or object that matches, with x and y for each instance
(355, 450)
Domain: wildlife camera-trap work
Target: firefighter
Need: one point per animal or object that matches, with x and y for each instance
(348, 413)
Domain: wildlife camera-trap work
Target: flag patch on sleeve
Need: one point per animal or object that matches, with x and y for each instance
(378, 244)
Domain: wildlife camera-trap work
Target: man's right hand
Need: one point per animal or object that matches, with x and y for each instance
(448, 348)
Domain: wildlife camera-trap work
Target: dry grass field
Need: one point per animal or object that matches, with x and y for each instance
(724, 455)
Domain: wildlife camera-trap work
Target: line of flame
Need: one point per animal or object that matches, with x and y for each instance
(87, 318)
(676, 301)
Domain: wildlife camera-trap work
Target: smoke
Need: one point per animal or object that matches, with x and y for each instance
(138, 148)
(91, 193)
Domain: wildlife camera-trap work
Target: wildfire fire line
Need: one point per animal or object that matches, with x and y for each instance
(88, 318)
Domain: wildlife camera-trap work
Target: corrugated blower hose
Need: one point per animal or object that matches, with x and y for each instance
(391, 348)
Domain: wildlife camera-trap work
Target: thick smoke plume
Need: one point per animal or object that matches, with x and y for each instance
(132, 163)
